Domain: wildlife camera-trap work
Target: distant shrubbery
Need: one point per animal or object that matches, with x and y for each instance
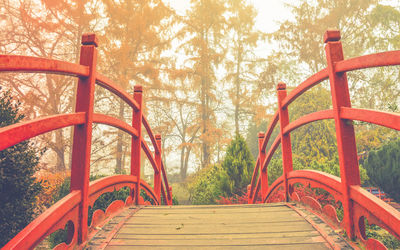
(228, 180)
(383, 168)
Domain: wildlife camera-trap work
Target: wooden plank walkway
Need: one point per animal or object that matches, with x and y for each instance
(260, 226)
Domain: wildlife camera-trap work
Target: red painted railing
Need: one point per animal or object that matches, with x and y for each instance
(72, 210)
(358, 203)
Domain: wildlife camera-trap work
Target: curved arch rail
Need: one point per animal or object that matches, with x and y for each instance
(358, 203)
(72, 210)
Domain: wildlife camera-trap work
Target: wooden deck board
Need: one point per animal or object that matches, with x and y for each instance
(214, 227)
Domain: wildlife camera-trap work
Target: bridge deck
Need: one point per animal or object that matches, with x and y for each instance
(238, 226)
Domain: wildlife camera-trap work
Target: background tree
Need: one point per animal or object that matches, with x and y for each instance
(205, 28)
(49, 29)
(242, 62)
(134, 42)
(18, 186)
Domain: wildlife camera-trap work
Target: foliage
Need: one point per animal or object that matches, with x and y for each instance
(226, 181)
(204, 187)
(383, 168)
(330, 166)
(375, 232)
(315, 141)
(18, 186)
(237, 168)
(51, 183)
(235, 199)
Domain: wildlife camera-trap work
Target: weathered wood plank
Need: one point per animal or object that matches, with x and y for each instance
(307, 246)
(217, 242)
(259, 226)
(215, 236)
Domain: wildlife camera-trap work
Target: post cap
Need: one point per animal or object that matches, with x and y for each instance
(261, 134)
(158, 137)
(281, 86)
(332, 36)
(138, 88)
(90, 39)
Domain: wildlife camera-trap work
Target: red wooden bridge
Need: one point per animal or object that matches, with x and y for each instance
(246, 226)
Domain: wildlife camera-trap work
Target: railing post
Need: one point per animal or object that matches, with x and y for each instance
(346, 143)
(157, 176)
(263, 173)
(80, 164)
(286, 144)
(137, 143)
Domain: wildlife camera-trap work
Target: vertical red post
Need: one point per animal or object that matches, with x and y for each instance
(80, 165)
(286, 144)
(137, 143)
(346, 143)
(264, 173)
(157, 176)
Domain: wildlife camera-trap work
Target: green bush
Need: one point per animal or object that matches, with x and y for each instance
(330, 166)
(18, 186)
(228, 179)
(383, 168)
(237, 168)
(204, 185)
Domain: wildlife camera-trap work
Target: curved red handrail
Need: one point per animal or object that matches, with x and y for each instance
(389, 58)
(51, 220)
(386, 119)
(330, 182)
(264, 165)
(254, 177)
(150, 133)
(388, 215)
(114, 122)
(111, 183)
(271, 152)
(113, 88)
(149, 155)
(168, 189)
(74, 206)
(57, 215)
(348, 191)
(312, 117)
(270, 129)
(304, 86)
(41, 65)
(19, 132)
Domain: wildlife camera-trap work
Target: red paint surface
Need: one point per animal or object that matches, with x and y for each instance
(72, 209)
(357, 202)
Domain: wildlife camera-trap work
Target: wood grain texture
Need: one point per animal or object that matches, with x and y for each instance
(257, 226)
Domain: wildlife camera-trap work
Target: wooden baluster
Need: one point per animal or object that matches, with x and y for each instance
(137, 144)
(285, 139)
(157, 176)
(346, 143)
(80, 164)
(263, 173)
